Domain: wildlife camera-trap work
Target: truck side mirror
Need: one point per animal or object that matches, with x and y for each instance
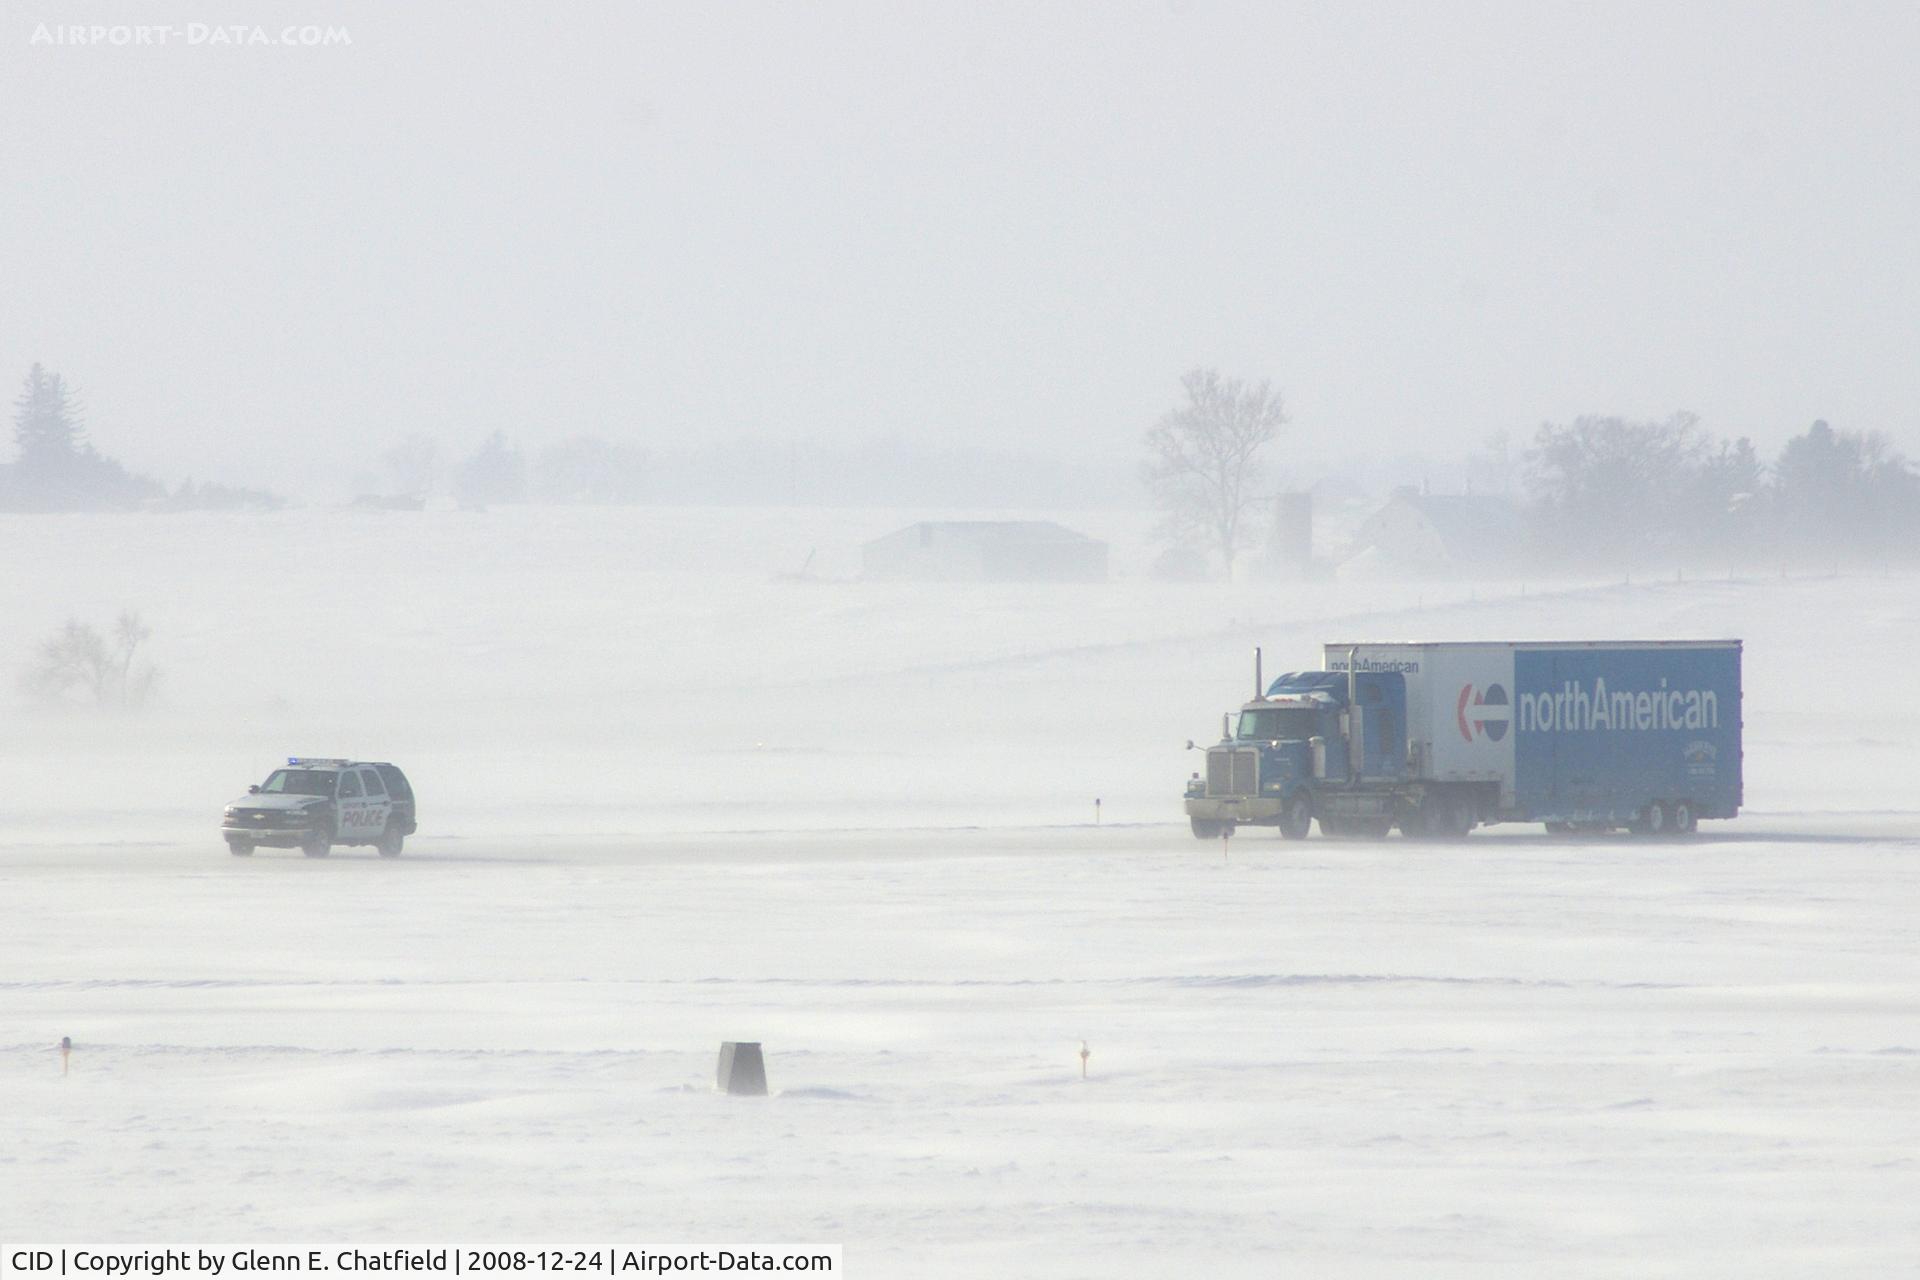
(1189, 744)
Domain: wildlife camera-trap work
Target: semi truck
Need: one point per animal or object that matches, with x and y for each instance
(1436, 739)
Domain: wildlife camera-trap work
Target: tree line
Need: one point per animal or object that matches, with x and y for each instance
(56, 468)
(1597, 492)
(581, 469)
(1613, 491)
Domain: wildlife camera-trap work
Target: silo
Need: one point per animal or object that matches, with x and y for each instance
(1290, 545)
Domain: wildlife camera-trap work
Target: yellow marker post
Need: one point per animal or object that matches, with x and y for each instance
(1085, 1053)
(66, 1052)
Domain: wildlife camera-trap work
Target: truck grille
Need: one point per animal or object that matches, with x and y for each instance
(266, 818)
(1233, 772)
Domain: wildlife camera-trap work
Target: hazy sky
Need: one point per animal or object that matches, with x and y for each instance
(1006, 224)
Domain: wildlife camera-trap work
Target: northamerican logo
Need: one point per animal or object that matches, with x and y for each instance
(1483, 712)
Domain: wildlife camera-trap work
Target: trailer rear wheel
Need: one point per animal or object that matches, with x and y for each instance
(1685, 821)
(1653, 821)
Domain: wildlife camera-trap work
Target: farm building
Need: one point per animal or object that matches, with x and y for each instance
(1419, 535)
(986, 551)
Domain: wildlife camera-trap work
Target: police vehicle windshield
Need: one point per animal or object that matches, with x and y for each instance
(1274, 724)
(300, 782)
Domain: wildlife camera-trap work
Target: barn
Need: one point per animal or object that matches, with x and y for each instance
(1420, 535)
(985, 551)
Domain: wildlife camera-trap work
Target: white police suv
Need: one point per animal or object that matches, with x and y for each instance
(315, 804)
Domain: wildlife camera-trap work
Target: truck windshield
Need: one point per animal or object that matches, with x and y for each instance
(1277, 723)
(300, 782)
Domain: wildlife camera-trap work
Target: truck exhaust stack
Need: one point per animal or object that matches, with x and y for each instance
(1356, 723)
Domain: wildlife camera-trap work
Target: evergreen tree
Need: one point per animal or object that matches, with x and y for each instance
(57, 470)
(46, 424)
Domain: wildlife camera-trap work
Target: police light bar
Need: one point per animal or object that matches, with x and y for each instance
(304, 760)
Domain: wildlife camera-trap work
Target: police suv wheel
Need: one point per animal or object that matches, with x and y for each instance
(319, 844)
(390, 841)
(240, 848)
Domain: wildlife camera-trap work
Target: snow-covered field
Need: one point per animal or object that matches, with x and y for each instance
(669, 800)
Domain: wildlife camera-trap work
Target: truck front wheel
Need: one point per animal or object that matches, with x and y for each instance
(1296, 819)
(1207, 828)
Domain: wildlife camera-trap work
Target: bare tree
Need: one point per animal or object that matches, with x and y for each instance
(590, 470)
(77, 658)
(1613, 490)
(1203, 458)
(1846, 493)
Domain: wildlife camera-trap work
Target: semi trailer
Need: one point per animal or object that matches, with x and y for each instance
(1437, 739)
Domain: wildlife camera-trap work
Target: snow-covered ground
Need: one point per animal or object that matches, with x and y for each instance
(669, 800)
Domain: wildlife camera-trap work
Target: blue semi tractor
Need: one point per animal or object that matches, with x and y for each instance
(1437, 739)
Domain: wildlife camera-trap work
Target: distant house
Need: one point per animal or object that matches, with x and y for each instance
(1420, 535)
(986, 551)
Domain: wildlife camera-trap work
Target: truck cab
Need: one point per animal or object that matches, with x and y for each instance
(1313, 744)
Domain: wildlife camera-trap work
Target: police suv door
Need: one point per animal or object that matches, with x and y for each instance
(357, 810)
(379, 804)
